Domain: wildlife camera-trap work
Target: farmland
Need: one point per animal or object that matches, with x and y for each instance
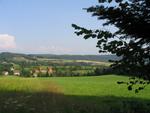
(29, 65)
(65, 84)
(95, 94)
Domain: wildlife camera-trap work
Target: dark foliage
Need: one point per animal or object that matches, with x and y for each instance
(141, 84)
(130, 41)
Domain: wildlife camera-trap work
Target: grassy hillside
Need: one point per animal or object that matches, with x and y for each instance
(6, 56)
(98, 86)
(70, 95)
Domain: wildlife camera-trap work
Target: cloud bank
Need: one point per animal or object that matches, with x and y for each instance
(7, 42)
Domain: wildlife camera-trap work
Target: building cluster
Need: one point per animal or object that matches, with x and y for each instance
(14, 72)
(34, 72)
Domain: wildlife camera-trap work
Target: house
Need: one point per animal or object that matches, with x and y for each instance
(5, 73)
(43, 71)
(12, 69)
(35, 75)
(37, 72)
(50, 70)
(16, 72)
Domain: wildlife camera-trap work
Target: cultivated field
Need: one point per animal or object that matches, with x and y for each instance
(99, 94)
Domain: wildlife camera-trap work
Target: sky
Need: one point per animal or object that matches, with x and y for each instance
(44, 26)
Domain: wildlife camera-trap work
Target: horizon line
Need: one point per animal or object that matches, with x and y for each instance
(50, 53)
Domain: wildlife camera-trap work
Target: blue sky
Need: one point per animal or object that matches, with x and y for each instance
(44, 26)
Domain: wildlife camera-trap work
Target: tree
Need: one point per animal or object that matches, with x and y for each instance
(131, 40)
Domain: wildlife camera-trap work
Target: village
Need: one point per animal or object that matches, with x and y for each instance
(34, 72)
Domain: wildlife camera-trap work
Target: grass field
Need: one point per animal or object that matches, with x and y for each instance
(99, 94)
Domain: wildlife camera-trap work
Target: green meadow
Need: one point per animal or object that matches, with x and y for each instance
(95, 94)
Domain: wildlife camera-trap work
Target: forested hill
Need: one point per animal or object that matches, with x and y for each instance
(10, 56)
(79, 57)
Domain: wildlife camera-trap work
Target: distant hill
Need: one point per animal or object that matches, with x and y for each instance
(6, 56)
(17, 56)
(104, 58)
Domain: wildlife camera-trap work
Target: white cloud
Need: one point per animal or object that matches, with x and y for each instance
(7, 42)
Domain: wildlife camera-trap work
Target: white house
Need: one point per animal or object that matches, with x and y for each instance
(5, 72)
(17, 72)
